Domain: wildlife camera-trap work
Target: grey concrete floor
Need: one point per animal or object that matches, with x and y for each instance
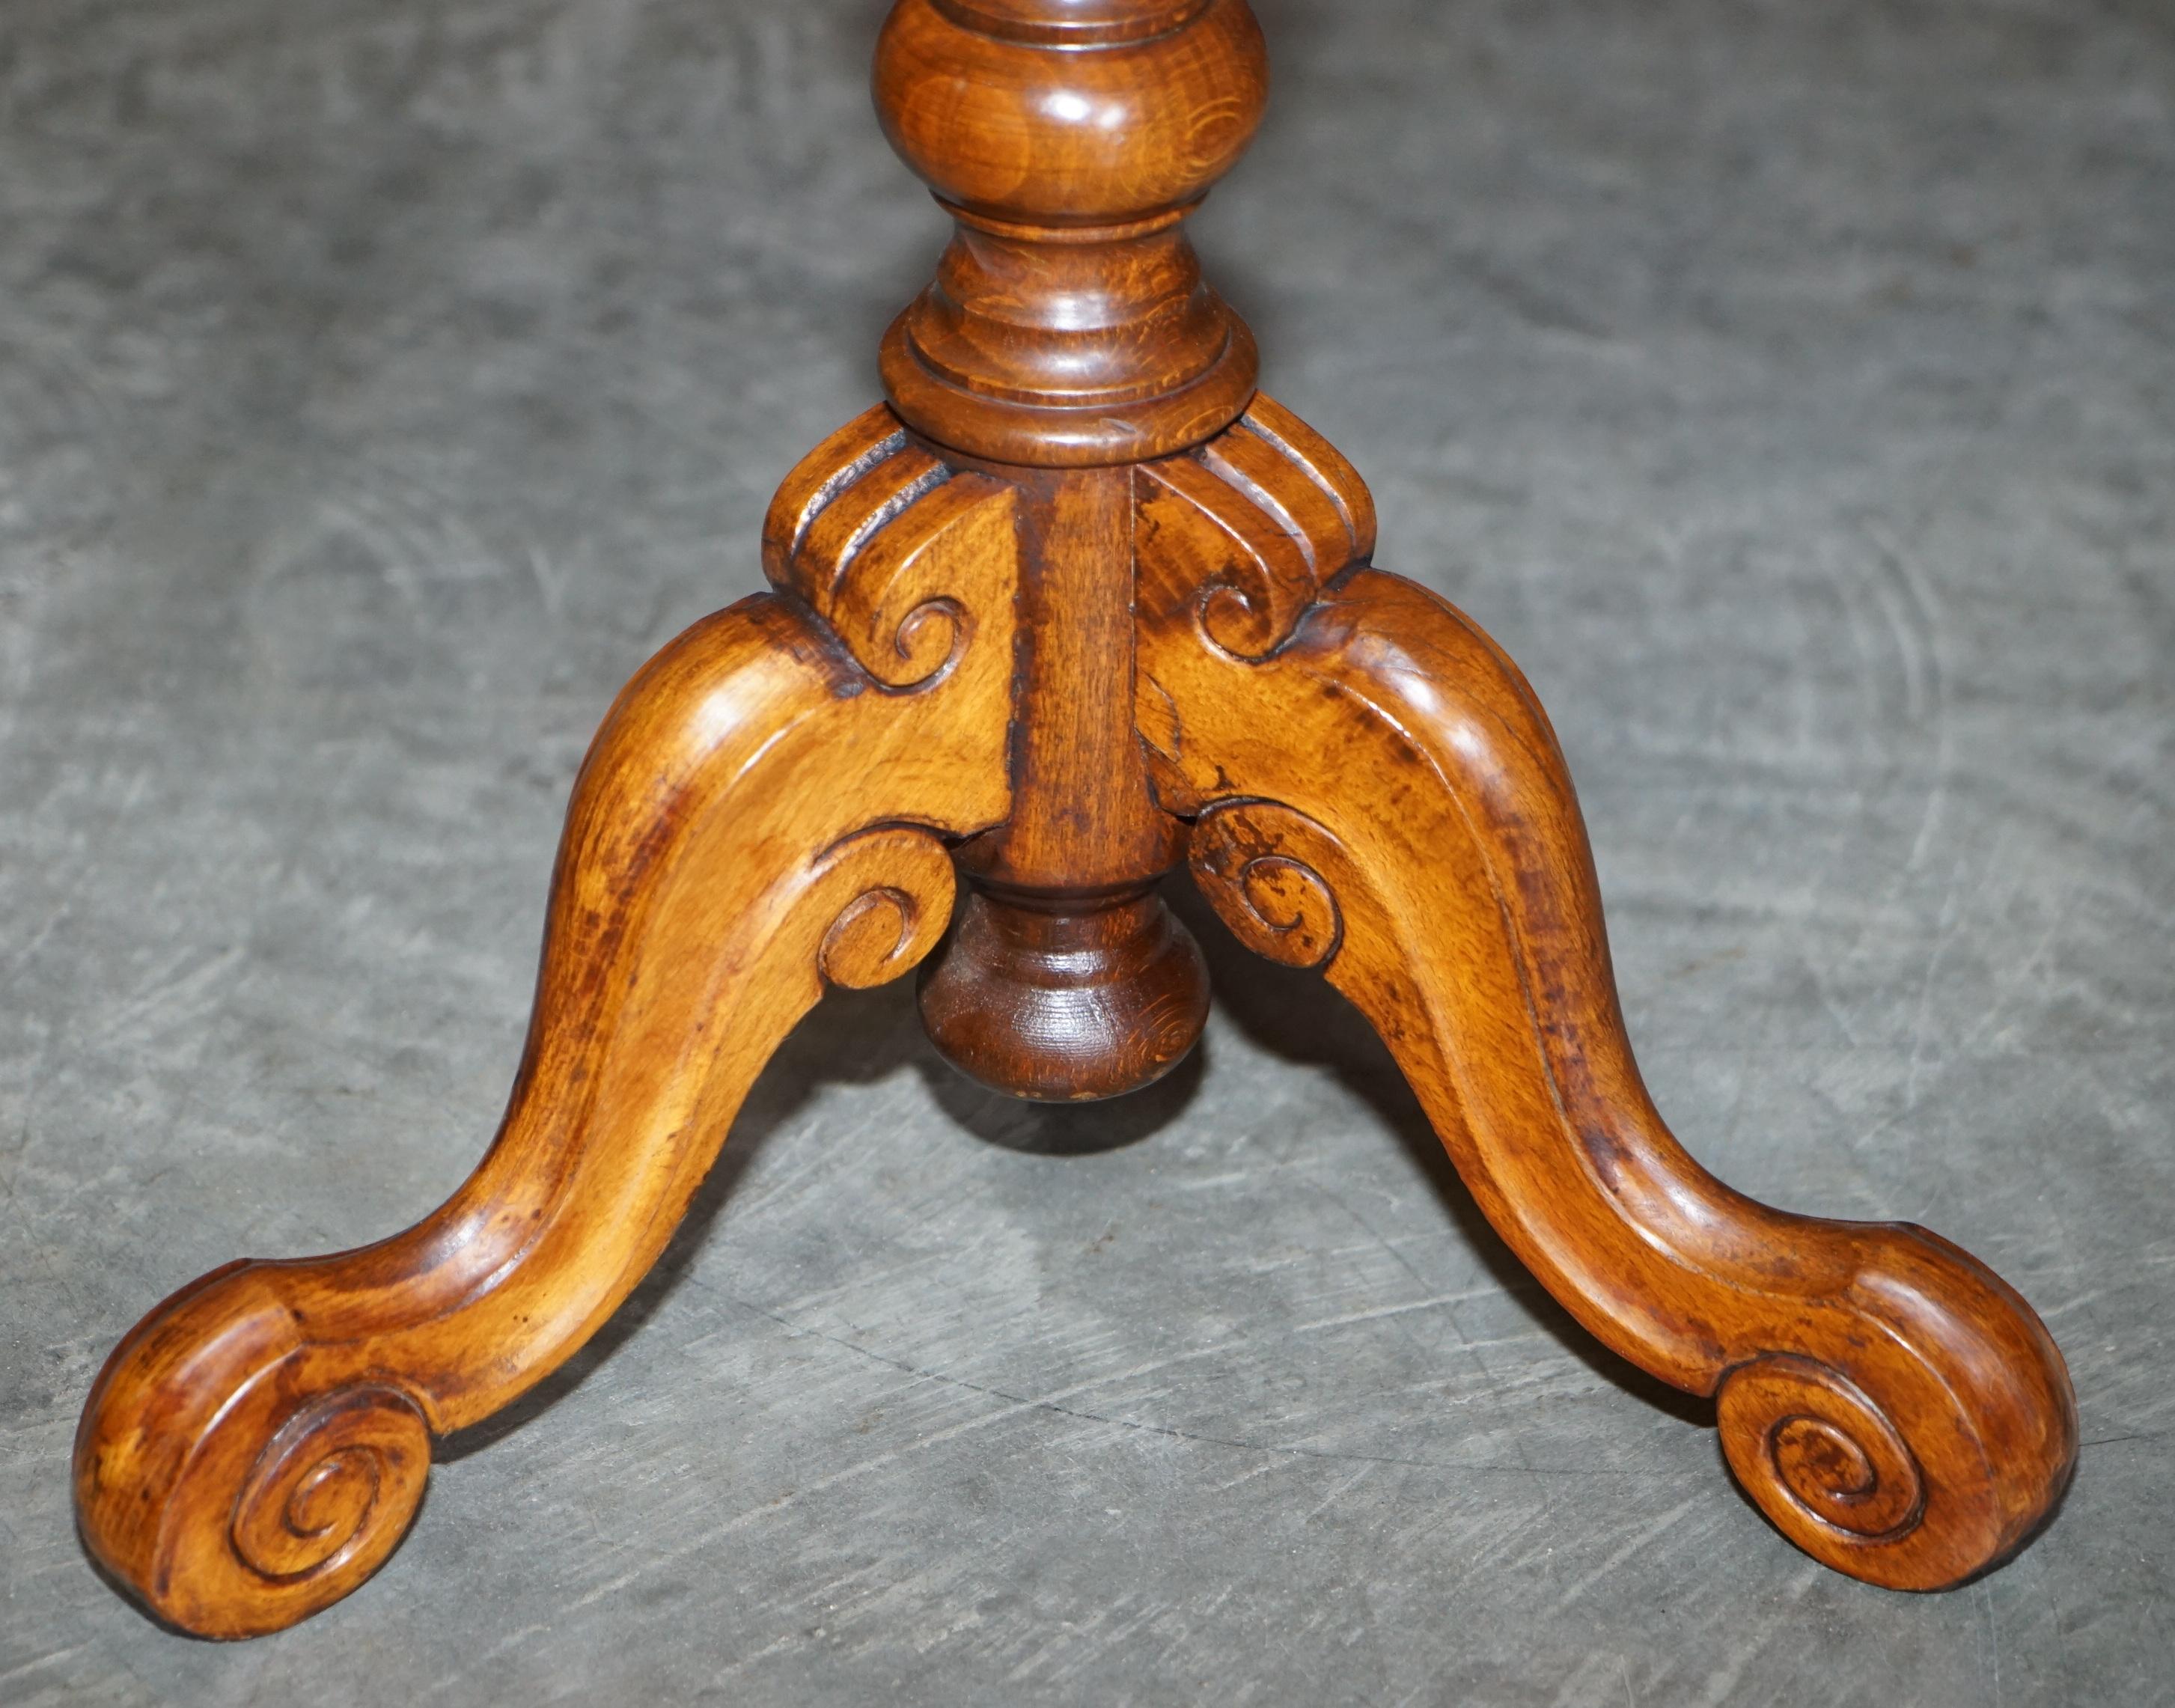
(1792, 388)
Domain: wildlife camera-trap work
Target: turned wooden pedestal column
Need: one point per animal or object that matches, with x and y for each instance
(1069, 337)
(1077, 606)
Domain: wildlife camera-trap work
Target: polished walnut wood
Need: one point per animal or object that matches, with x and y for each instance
(1078, 606)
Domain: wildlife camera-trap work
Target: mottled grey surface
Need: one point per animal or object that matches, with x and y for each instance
(1792, 388)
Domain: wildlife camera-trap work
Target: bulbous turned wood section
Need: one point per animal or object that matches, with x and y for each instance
(1075, 1002)
(1075, 607)
(1069, 324)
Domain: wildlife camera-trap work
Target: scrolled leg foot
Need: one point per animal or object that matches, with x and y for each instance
(761, 814)
(1382, 797)
(233, 1491)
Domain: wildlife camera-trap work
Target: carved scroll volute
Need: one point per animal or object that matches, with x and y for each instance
(1260, 865)
(882, 537)
(1248, 528)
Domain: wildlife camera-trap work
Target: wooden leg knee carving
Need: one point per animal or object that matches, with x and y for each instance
(1382, 797)
(764, 810)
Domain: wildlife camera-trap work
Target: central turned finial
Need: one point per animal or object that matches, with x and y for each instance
(1068, 325)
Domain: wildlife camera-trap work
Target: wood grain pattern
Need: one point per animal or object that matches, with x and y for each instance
(1075, 600)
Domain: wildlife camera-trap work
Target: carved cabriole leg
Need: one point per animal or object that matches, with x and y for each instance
(1378, 794)
(763, 809)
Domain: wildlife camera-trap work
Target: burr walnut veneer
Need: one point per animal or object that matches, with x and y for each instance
(1075, 607)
